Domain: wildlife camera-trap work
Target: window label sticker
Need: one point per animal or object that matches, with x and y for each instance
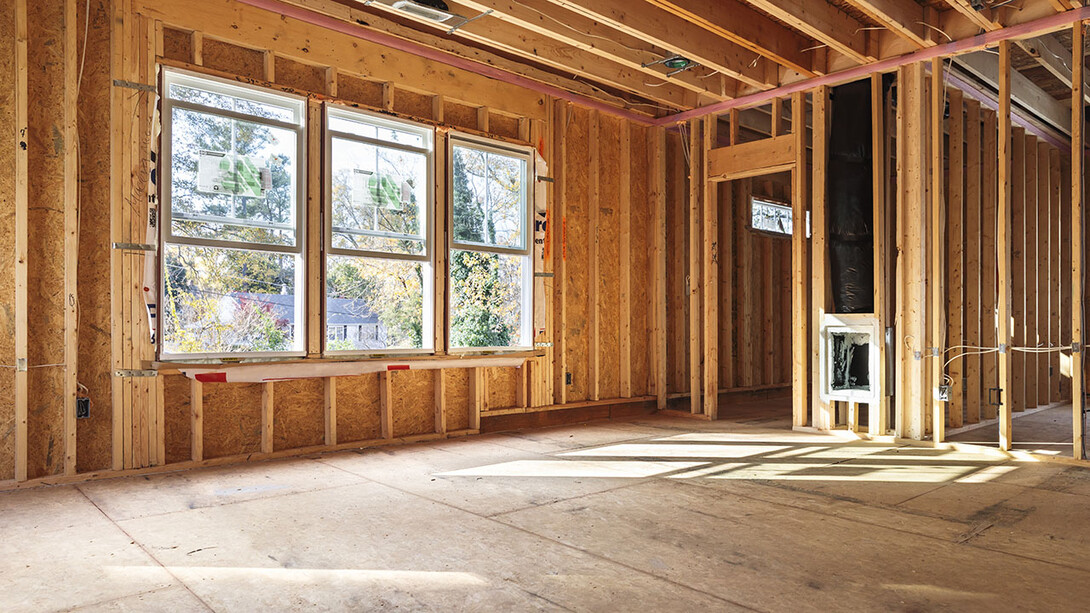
(232, 174)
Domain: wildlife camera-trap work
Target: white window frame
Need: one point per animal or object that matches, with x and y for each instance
(526, 331)
(228, 87)
(427, 211)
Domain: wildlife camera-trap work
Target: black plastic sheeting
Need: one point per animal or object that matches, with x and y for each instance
(850, 202)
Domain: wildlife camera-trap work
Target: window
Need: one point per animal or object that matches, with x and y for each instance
(379, 252)
(490, 268)
(773, 217)
(233, 185)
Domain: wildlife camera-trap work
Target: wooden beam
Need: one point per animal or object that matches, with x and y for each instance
(1051, 54)
(560, 250)
(985, 66)
(594, 307)
(1025, 239)
(1003, 243)
(824, 23)
(696, 245)
(1042, 290)
(935, 245)
(1078, 235)
(738, 23)
(677, 35)
(440, 401)
(1055, 266)
(196, 420)
(955, 258)
(386, 411)
(711, 273)
(267, 402)
(878, 415)
(759, 157)
(657, 146)
(22, 237)
(823, 416)
(1020, 183)
(70, 137)
(989, 334)
(905, 18)
(800, 281)
(973, 227)
(330, 415)
(476, 397)
(624, 298)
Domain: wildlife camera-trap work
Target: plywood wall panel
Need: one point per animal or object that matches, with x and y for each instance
(608, 255)
(461, 115)
(413, 103)
(459, 404)
(412, 393)
(503, 125)
(677, 265)
(177, 45)
(643, 277)
(176, 412)
(232, 419)
(359, 90)
(358, 417)
(304, 77)
(577, 248)
(234, 59)
(501, 385)
(298, 413)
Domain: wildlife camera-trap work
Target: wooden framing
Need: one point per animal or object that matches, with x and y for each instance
(657, 148)
(1020, 187)
(1003, 241)
(761, 157)
(935, 243)
(22, 236)
(799, 268)
(1043, 290)
(1024, 384)
(988, 265)
(824, 416)
(696, 245)
(710, 251)
(973, 227)
(955, 258)
(878, 416)
(1078, 235)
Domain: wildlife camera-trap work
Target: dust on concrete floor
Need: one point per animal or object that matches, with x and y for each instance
(656, 514)
(1044, 431)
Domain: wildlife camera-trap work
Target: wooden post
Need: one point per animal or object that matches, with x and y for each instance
(935, 245)
(624, 315)
(823, 417)
(1078, 168)
(22, 235)
(196, 420)
(973, 224)
(657, 146)
(71, 235)
(878, 413)
(441, 401)
(711, 272)
(1055, 269)
(988, 265)
(800, 279)
(331, 411)
(476, 397)
(696, 246)
(955, 258)
(1022, 184)
(1043, 289)
(560, 251)
(1026, 237)
(386, 420)
(1003, 245)
(594, 307)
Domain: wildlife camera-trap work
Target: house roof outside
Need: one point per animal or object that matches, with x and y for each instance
(339, 311)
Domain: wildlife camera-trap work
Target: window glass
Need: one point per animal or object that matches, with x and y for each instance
(381, 300)
(374, 129)
(771, 217)
(486, 299)
(227, 300)
(489, 194)
(377, 194)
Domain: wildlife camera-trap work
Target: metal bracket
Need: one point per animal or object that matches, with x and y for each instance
(1002, 348)
(1076, 347)
(136, 373)
(469, 21)
(934, 352)
(20, 365)
(136, 246)
(917, 355)
(132, 85)
(543, 345)
(547, 179)
(998, 396)
(543, 275)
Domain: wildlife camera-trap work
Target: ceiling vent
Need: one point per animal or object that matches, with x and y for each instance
(432, 11)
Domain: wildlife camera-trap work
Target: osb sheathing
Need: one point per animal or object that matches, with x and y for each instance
(412, 103)
(94, 449)
(177, 417)
(642, 276)
(298, 413)
(503, 125)
(177, 45)
(610, 174)
(46, 257)
(237, 60)
(412, 397)
(359, 90)
(459, 404)
(458, 114)
(232, 419)
(358, 414)
(7, 242)
(677, 265)
(576, 245)
(300, 76)
(501, 385)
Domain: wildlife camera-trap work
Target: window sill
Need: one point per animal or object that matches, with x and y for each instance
(175, 366)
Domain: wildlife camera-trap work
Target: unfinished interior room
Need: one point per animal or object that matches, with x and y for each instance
(543, 305)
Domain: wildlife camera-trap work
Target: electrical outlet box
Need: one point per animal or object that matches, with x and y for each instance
(567, 378)
(83, 407)
(944, 393)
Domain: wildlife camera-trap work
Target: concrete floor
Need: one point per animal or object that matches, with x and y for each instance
(1043, 431)
(657, 514)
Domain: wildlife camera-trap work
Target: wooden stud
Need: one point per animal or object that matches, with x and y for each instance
(1042, 291)
(388, 96)
(988, 265)
(331, 410)
(710, 251)
(624, 315)
(197, 45)
(973, 227)
(1003, 243)
(520, 384)
(594, 307)
(440, 401)
(560, 223)
(22, 235)
(800, 340)
(331, 81)
(1078, 233)
(955, 258)
(823, 416)
(657, 147)
(476, 397)
(315, 261)
(269, 61)
(442, 253)
(196, 420)
(935, 245)
(726, 204)
(1022, 184)
(696, 245)
(1028, 236)
(1055, 279)
(267, 402)
(482, 118)
(878, 413)
(386, 410)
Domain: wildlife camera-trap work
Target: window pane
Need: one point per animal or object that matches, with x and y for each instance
(377, 196)
(374, 304)
(367, 129)
(289, 112)
(232, 180)
(227, 300)
(486, 306)
(771, 217)
(489, 194)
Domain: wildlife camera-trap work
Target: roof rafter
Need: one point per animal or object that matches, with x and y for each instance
(905, 18)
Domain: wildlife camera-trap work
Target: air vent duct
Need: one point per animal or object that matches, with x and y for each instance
(432, 11)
